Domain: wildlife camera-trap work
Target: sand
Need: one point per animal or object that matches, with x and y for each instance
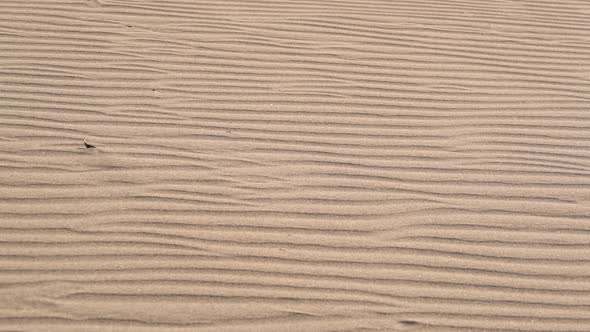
(304, 165)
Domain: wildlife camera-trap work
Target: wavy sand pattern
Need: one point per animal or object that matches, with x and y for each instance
(297, 165)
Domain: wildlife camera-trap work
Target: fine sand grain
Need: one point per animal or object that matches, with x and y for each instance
(303, 165)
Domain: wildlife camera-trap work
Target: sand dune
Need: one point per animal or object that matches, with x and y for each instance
(294, 165)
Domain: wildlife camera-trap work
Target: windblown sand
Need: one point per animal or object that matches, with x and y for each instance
(304, 165)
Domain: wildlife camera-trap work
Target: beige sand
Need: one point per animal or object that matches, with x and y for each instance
(302, 165)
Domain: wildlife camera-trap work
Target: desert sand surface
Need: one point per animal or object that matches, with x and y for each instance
(303, 165)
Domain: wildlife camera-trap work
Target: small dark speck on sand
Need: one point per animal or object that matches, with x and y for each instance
(89, 146)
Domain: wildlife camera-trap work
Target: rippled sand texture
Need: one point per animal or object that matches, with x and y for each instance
(305, 165)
